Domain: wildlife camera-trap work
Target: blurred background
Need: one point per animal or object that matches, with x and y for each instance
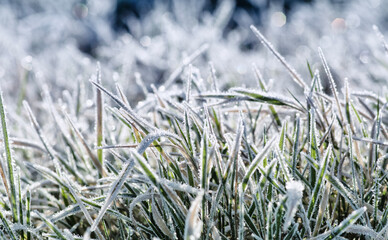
(143, 42)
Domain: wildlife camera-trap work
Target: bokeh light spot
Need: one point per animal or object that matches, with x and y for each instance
(278, 19)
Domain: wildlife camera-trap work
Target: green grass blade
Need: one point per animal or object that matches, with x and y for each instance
(264, 97)
(255, 163)
(51, 225)
(99, 119)
(295, 152)
(204, 161)
(28, 212)
(319, 183)
(7, 227)
(10, 162)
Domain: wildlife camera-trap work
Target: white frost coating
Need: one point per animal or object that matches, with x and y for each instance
(179, 186)
(83, 208)
(363, 230)
(193, 225)
(294, 197)
(150, 138)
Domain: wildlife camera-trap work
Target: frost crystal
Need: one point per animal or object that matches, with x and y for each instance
(294, 196)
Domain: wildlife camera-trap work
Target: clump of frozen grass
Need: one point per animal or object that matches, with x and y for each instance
(196, 162)
(168, 168)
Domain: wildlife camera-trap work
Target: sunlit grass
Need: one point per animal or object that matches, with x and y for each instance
(242, 163)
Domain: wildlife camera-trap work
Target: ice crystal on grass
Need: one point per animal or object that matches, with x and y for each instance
(294, 196)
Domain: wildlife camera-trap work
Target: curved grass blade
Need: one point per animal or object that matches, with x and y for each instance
(116, 186)
(150, 138)
(24, 143)
(349, 221)
(51, 226)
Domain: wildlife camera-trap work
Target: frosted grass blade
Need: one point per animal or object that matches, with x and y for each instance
(349, 221)
(295, 149)
(116, 186)
(83, 208)
(7, 227)
(10, 162)
(99, 119)
(138, 120)
(332, 83)
(256, 161)
(193, 226)
(150, 138)
(113, 192)
(297, 78)
(51, 226)
(96, 162)
(319, 183)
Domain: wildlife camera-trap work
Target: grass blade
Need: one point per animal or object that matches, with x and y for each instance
(297, 78)
(193, 226)
(10, 162)
(256, 161)
(99, 119)
(51, 225)
(5, 224)
(113, 192)
(97, 164)
(332, 83)
(349, 221)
